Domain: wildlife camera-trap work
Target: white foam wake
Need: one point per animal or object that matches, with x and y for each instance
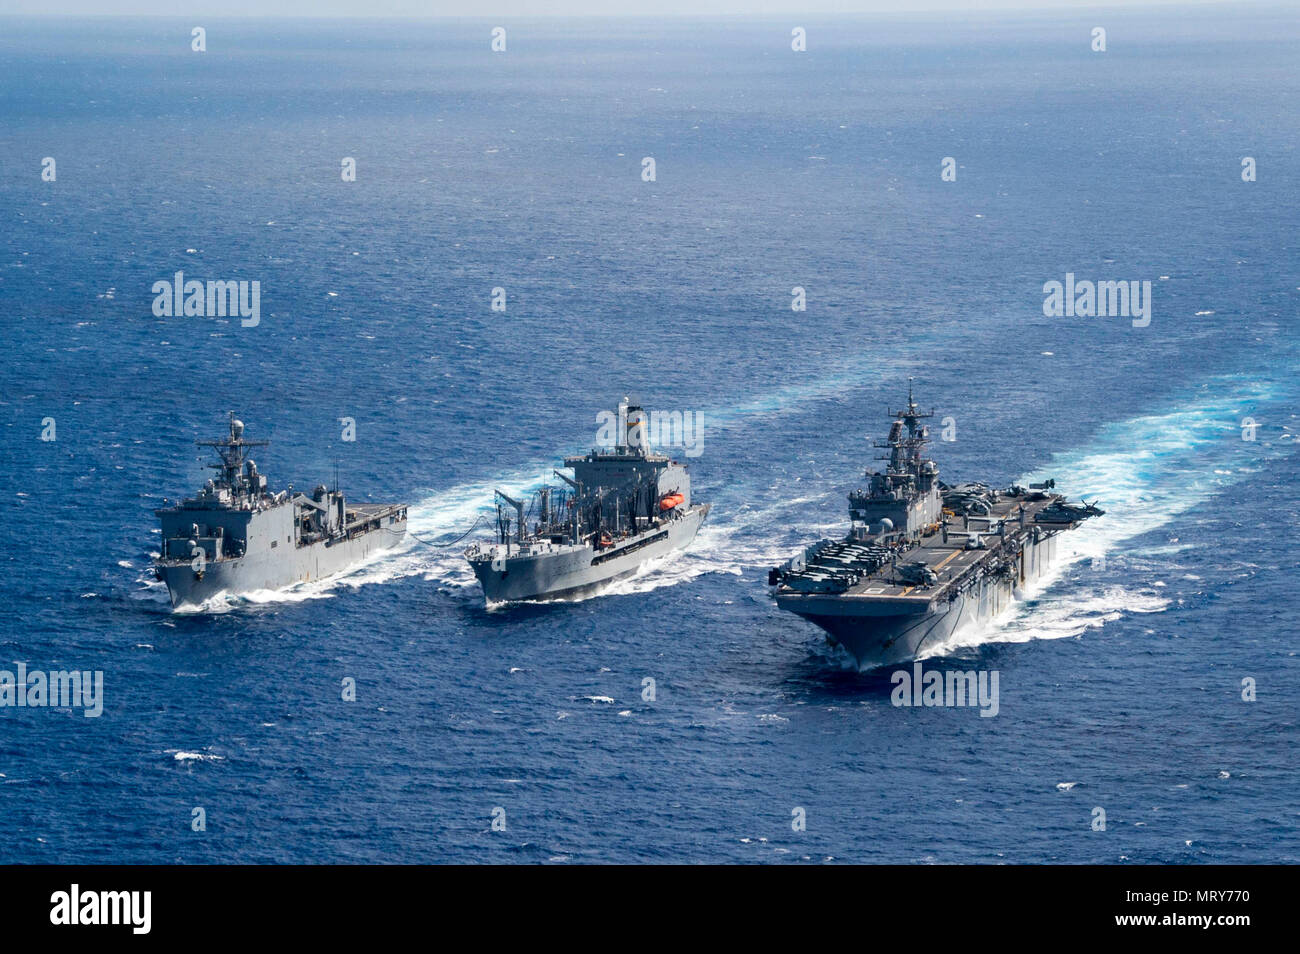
(1146, 472)
(1058, 616)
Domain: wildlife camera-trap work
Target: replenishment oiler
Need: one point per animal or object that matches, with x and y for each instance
(235, 537)
(623, 506)
(922, 559)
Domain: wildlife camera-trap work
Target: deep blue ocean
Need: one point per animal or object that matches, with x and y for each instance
(1120, 679)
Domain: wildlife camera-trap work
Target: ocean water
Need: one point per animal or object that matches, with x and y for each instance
(1120, 677)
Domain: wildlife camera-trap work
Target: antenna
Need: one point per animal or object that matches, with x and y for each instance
(230, 452)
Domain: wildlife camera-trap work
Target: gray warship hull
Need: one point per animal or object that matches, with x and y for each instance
(275, 569)
(895, 625)
(566, 572)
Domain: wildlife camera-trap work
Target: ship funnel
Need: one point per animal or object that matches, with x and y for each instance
(620, 435)
(636, 429)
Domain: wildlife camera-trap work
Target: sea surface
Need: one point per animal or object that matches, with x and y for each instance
(1121, 678)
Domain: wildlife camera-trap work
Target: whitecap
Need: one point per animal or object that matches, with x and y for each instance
(197, 757)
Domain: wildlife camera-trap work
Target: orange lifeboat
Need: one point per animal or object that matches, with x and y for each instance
(669, 501)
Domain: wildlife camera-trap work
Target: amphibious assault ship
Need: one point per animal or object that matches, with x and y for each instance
(624, 505)
(922, 559)
(234, 536)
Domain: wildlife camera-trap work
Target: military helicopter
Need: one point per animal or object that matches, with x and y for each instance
(1061, 512)
(917, 573)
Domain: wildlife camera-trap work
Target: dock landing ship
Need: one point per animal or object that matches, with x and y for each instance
(234, 536)
(922, 559)
(624, 505)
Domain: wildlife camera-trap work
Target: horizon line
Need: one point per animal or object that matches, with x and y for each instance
(946, 7)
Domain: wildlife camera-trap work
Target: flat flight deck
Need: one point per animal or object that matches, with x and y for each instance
(949, 561)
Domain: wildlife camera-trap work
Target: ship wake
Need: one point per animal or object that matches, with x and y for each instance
(1146, 472)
